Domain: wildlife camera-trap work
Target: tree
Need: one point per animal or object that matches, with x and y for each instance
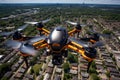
(93, 68)
(106, 31)
(67, 76)
(4, 67)
(31, 71)
(72, 58)
(108, 74)
(94, 77)
(4, 78)
(66, 67)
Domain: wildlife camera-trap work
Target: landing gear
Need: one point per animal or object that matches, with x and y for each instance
(57, 60)
(65, 53)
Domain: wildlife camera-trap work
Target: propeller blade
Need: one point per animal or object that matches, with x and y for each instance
(79, 42)
(73, 23)
(28, 49)
(22, 27)
(31, 23)
(104, 35)
(24, 48)
(99, 34)
(13, 44)
(6, 33)
(83, 25)
(98, 44)
(85, 39)
(45, 21)
(36, 39)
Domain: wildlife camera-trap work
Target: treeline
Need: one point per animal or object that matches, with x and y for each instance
(68, 11)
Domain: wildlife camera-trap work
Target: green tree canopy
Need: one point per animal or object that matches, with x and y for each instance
(66, 67)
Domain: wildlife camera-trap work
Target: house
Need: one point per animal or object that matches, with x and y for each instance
(83, 61)
(109, 61)
(42, 59)
(49, 70)
(20, 61)
(58, 70)
(84, 74)
(99, 63)
(19, 75)
(21, 70)
(46, 77)
(74, 66)
(73, 71)
(99, 67)
(29, 76)
(57, 77)
(110, 65)
(13, 68)
(114, 78)
(103, 76)
(74, 78)
(17, 65)
(115, 74)
(8, 74)
(50, 64)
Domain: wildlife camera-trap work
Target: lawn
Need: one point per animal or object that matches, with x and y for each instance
(37, 67)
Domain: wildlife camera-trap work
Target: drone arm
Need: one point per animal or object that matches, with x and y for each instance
(92, 41)
(78, 48)
(42, 46)
(39, 42)
(45, 31)
(73, 31)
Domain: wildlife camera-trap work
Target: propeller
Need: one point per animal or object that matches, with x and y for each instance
(22, 27)
(28, 49)
(94, 33)
(98, 44)
(6, 34)
(13, 44)
(76, 24)
(79, 42)
(36, 39)
(95, 36)
(86, 45)
(38, 23)
(23, 47)
(45, 21)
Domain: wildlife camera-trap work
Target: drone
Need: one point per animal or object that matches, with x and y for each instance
(58, 41)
